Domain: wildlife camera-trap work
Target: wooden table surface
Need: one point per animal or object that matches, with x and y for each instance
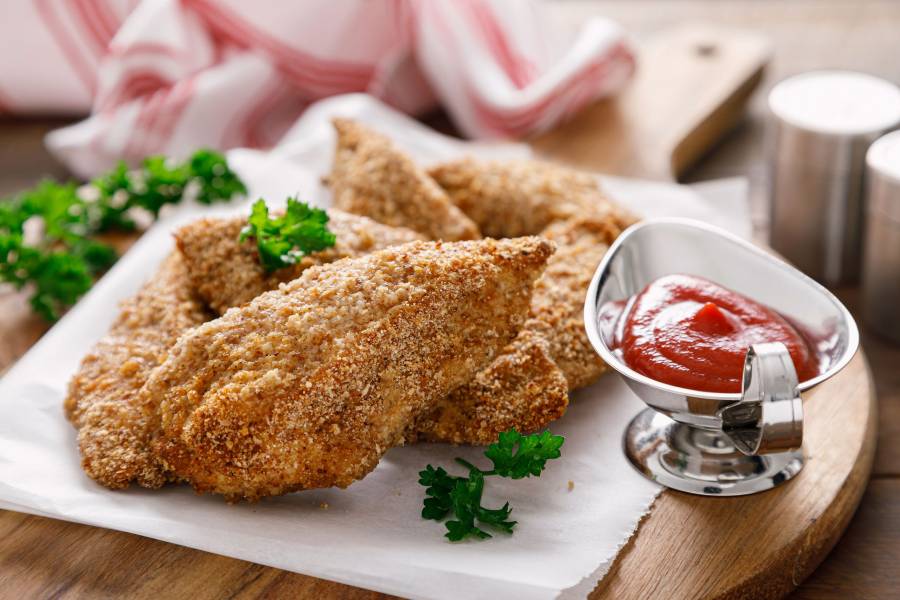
(811, 34)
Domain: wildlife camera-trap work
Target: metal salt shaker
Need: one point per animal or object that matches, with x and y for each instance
(824, 122)
(881, 259)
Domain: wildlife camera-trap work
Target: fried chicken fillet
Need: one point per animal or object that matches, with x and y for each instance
(103, 399)
(521, 388)
(524, 389)
(515, 197)
(527, 385)
(371, 177)
(511, 198)
(557, 306)
(527, 197)
(227, 273)
(308, 385)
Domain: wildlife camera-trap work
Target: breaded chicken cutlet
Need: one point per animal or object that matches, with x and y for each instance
(103, 398)
(308, 385)
(527, 197)
(525, 390)
(522, 389)
(227, 273)
(557, 306)
(510, 198)
(372, 178)
(504, 199)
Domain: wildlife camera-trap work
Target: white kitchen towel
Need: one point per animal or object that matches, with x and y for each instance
(572, 520)
(164, 76)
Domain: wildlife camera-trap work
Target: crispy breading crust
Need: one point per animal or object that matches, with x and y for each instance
(557, 306)
(525, 389)
(522, 389)
(226, 273)
(308, 385)
(516, 197)
(527, 197)
(103, 399)
(371, 177)
(527, 385)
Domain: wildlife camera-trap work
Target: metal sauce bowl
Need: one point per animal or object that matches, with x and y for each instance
(720, 443)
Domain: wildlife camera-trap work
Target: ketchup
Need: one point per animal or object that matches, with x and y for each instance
(692, 333)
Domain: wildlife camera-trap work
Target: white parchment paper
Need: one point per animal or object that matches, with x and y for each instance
(369, 535)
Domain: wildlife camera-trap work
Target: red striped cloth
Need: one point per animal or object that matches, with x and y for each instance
(166, 76)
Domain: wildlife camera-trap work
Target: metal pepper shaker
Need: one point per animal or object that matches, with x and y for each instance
(824, 122)
(881, 262)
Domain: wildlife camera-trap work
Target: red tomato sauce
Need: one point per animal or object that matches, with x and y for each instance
(690, 332)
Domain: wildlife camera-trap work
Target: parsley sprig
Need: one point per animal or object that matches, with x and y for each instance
(46, 233)
(514, 456)
(282, 241)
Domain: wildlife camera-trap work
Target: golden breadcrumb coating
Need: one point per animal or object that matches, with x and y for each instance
(557, 306)
(371, 177)
(103, 401)
(512, 198)
(308, 385)
(525, 389)
(227, 273)
(527, 197)
(522, 388)
(527, 385)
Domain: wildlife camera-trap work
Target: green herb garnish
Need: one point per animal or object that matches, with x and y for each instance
(46, 243)
(514, 456)
(282, 241)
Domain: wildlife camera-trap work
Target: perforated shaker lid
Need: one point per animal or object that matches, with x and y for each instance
(837, 102)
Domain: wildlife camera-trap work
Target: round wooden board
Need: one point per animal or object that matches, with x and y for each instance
(760, 546)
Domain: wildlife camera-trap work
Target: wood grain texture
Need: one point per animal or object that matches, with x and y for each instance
(691, 86)
(884, 360)
(864, 562)
(45, 558)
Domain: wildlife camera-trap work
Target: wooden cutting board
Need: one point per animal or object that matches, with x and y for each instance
(691, 87)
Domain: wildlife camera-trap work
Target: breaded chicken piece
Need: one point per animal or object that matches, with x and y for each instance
(522, 388)
(527, 197)
(307, 386)
(371, 177)
(525, 389)
(557, 306)
(227, 273)
(512, 198)
(527, 385)
(103, 401)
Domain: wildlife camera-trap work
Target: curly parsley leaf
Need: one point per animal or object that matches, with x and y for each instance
(282, 241)
(514, 456)
(57, 260)
(438, 486)
(59, 279)
(216, 180)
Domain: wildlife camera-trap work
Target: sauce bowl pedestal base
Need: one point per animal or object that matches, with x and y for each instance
(699, 461)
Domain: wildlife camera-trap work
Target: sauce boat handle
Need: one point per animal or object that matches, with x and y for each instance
(769, 416)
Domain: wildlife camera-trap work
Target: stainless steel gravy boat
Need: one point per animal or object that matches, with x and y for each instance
(710, 443)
